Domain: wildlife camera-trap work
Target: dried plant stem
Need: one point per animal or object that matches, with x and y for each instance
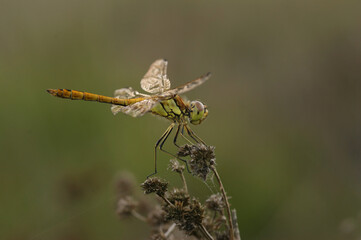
(237, 235)
(205, 232)
(184, 182)
(165, 200)
(138, 216)
(170, 230)
(231, 231)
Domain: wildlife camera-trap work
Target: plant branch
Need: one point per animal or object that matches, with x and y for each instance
(237, 235)
(231, 231)
(184, 182)
(138, 216)
(170, 230)
(166, 200)
(205, 232)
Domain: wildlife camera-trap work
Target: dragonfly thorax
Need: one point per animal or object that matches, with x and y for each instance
(198, 112)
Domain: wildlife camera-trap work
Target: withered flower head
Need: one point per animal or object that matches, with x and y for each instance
(193, 217)
(157, 217)
(178, 195)
(187, 217)
(175, 166)
(196, 213)
(156, 185)
(202, 158)
(174, 212)
(184, 150)
(125, 184)
(145, 205)
(215, 202)
(125, 206)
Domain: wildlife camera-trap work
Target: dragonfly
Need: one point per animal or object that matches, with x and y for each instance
(159, 100)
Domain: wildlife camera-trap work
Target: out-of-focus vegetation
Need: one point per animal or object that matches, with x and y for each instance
(284, 102)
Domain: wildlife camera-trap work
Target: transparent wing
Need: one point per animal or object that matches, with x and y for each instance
(125, 93)
(128, 93)
(137, 109)
(155, 80)
(186, 87)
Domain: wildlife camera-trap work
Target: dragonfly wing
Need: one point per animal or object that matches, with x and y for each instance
(136, 109)
(186, 87)
(128, 93)
(155, 80)
(116, 109)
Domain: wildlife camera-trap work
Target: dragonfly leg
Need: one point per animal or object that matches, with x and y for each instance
(184, 137)
(175, 143)
(165, 135)
(194, 136)
(176, 136)
(171, 154)
(165, 139)
(161, 141)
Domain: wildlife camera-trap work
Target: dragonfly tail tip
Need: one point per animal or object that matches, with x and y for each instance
(51, 91)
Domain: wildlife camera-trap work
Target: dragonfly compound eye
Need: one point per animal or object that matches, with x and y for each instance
(198, 112)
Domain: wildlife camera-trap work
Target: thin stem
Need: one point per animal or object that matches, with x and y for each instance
(214, 215)
(139, 216)
(205, 232)
(184, 182)
(231, 234)
(235, 223)
(161, 233)
(166, 200)
(170, 230)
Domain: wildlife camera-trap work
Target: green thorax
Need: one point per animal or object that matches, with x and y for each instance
(173, 109)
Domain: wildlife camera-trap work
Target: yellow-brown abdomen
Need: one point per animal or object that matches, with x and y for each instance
(78, 95)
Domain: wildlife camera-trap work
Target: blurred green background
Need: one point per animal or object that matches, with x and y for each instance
(284, 102)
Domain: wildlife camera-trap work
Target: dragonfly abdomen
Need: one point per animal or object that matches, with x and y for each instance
(79, 95)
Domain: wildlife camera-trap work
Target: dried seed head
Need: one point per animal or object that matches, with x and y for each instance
(215, 202)
(193, 217)
(125, 184)
(156, 185)
(184, 150)
(175, 212)
(202, 158)
(125, 206)
(175, 166)
(187, 217)
(196, 213)
(157, 217)
(178, 195)
(145, 205)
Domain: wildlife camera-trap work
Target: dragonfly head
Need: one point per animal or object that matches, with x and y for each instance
(198, 113)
